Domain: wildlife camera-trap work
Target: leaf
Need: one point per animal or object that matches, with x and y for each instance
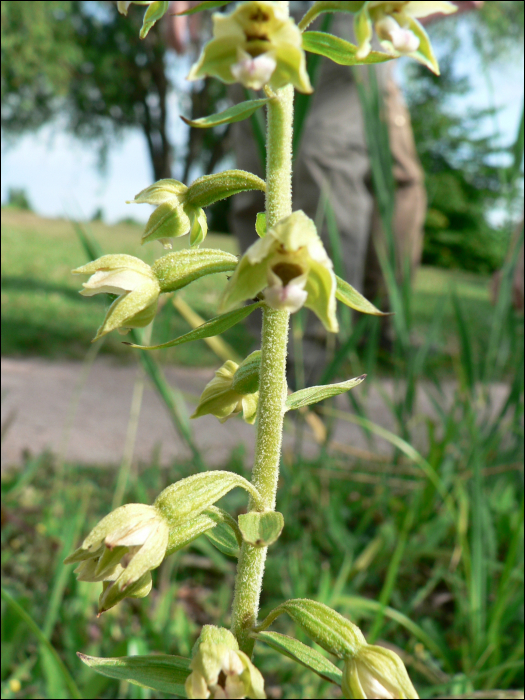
(237, 113)
(346, 294)
(323, 625)
(203, 6)
(305, 655)
(188, 498)
(176, 270)
(339, 50)
(215, 326)
(261, 529)
(260, 224)
(208, 189)
(313, 394)
(160, 672)
(155, 11)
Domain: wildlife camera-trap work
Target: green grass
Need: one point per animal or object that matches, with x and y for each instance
(43, 314)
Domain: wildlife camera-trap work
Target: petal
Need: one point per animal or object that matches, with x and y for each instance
(112, 594)
(291, 68)
(169, 220)
(294, 232)
(148, 557)
(321, 286)
(118, 518)
(246, 283)
(113, 282)
(114, 262)
(217, 57)
(252, 72)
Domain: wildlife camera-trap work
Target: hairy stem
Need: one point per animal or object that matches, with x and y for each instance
(272, 388)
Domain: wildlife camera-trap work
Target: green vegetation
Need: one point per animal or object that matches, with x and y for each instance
(43, 314)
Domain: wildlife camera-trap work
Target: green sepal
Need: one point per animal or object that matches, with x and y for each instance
(319, 8)
(340, 51)
(261, 529)
(214, 326)
(314, 394)
(208, 189)
(226, 536)
(323, 625)
(213, 518)
(169, 220)
(425, 53)
(155, 11)
(246, 377)
(346, 294)
(160, 672)
(176, 270)
(303, 654)
(237, 113)
(188, 498)
(183, 534)
(203, 6)
(260, 224)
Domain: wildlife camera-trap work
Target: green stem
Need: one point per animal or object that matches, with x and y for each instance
(272, 387)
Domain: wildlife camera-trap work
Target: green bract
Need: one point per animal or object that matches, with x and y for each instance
(220, 670)
(376, 672)
(257, 44)
(398, 29)
(134, 282)
(222, 401)
(121, 551)
(291, 265)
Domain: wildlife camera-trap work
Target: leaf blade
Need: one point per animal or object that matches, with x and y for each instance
(237, 113)
(202, 7)
(314, 394)
(346, 294)
(214, 326)
(339, 50)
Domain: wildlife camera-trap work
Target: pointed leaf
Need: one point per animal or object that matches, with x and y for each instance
(203, 6)
(305, 655)
(346, 294)
(339, 50)
(261, 529)
(313, 394)
(163, 673)
(188, 498)
(208, 189)
(176, 270)
(214, 326)
(231, 115)
(260, 224)
(155, 11)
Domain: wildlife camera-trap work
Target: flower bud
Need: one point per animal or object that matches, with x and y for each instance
(291, 266)
(257, 44)
(222, 401)
(134, 282)
(220, 670)
(376, 672)
(121, 551)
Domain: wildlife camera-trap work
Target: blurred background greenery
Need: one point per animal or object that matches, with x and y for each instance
(423, 549)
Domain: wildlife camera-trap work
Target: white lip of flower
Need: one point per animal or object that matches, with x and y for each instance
(403, 40)
(119, 281)
(256, 72)
(290, 297)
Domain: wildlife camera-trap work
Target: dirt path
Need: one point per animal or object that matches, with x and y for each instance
(84, 417)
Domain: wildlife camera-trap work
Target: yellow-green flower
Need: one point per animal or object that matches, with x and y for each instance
(121, 551)
(222, 401)
(174, 216)
(398, 29)
(220, 670)
(257, 44)
(376, 672)
(134, 282)
(291, 265)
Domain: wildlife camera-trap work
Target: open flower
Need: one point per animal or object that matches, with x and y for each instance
(257, 44)
(134, 282)
(121, 551)
(376, 672)
(398, 29)
(222, 401)
(220, 670)
(291, 265)
(174, 216)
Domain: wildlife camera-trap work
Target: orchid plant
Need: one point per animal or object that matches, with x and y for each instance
(258, 45)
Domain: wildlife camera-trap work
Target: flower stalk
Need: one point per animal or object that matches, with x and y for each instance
(272, 386)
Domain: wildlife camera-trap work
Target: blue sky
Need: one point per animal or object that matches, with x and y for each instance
(61, 178)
